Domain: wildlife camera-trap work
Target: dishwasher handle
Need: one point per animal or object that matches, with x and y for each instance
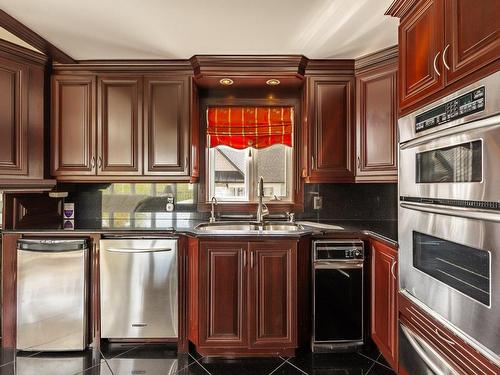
(52, 245)
(137, 250)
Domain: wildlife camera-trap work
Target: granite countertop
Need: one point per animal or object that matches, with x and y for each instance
(385, 230)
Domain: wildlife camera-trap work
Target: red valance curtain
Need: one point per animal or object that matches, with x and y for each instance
(242, 127)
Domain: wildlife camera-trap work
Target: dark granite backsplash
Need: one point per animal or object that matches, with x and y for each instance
(352, 202)
(126, 205)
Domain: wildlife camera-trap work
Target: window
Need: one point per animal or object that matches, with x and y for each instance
(234, 174)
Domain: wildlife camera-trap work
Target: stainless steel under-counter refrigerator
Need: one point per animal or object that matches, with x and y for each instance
(138, 288)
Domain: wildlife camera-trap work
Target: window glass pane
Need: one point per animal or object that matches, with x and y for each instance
(229, 176)
(272, 163)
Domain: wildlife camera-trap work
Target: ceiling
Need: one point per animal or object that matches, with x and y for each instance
(179, 29)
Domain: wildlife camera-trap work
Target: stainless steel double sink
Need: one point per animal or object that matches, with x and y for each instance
(249, 227)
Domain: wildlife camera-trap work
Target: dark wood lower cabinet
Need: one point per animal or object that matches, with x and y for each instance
(243, 297)
(384, 292)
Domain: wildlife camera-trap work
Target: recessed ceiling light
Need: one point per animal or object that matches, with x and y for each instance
(226, 81)
(273, 82)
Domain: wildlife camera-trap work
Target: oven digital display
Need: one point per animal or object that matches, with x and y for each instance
(466, 104)
(463, 268)
(457, 163)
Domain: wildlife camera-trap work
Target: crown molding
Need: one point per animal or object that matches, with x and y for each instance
(399, 8)
(23, 32)
(385, 56)
(19, 52)
(330, 66)
(116, 66)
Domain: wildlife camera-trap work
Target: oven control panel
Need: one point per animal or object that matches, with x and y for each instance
(466, 104)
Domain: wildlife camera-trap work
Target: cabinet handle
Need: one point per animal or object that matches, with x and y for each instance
(244, 258)
(392, 270)
(359, 162)
(444, 57)
(434, 63)
(92, 162)
(312, 161)
(251, 259)
(100, 162)
(443, 338)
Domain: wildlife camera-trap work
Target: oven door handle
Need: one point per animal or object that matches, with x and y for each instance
(329, 265)
(468, 213)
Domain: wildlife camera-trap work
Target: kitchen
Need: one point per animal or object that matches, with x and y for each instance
(309, 196)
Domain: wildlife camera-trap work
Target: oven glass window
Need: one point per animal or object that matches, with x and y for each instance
(463, 268)
(458, 163)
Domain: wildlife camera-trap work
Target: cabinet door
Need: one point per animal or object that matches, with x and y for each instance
(166, 121)
(421, 38)
(73, 132)
(330, 101)
(472, 35)
(384, 319)
(14, 79)
(119, 126)
(376, 125)
(273, 285)
(223, 294)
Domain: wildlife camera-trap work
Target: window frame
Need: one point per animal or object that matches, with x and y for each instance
(296, 202)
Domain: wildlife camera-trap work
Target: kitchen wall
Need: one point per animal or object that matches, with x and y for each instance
(142, 205)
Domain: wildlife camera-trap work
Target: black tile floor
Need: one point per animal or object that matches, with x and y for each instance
(163, 360)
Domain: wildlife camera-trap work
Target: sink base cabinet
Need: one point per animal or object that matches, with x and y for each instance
(242, 297)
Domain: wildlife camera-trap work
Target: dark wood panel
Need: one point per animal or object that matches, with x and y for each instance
(119, 125)
(421, 38)
(167, 127)
(330, 102)
(376, 93)
(193, 290)
(9, 291)
(182, 341)
(273, 287)
(384, 322)
(223, 296)
(472, 34)
(73, 132)
(14, 78)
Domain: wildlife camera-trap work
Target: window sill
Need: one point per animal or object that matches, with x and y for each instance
(245, 207)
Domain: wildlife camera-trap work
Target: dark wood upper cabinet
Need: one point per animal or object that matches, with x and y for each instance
(376, 125)
(22, 101)
(421, 37)
(273, 283)
(73, 132)
(472, 36)
(330, 102)
(223, 294)
(166, 123)
(14, 78)
(119, 126)
(384, 293)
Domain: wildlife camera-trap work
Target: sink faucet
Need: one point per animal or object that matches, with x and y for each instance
(262, 209)
(213, 203)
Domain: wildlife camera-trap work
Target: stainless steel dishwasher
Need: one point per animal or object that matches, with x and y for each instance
(52, 298)
(138, 288)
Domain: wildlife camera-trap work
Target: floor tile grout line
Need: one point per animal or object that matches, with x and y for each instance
(189, 364)
(203, 367)
(376, 360)
(15, 358)
(373, 364)
(291, 364)
(106, 361)
(281, 364)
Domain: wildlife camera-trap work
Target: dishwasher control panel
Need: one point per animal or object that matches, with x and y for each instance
(335, 250)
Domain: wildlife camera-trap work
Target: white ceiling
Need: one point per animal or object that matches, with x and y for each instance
(171, 29)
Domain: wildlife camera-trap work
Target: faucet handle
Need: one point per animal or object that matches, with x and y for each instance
(291, 217)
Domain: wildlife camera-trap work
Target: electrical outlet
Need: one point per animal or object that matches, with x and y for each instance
(318, 203)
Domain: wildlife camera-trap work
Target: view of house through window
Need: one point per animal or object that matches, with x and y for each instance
(234, 174)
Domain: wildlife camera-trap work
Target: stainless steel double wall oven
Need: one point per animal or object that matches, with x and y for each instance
(449, 211)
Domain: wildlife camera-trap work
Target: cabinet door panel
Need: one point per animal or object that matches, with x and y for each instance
(73, 125)
(223, 299)
(13, 118)
(421, 38)
(473, 35)
(331, 106)
(384, 301)
(166, 126)
(377, 119)
(272, 291)
(120, 126)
